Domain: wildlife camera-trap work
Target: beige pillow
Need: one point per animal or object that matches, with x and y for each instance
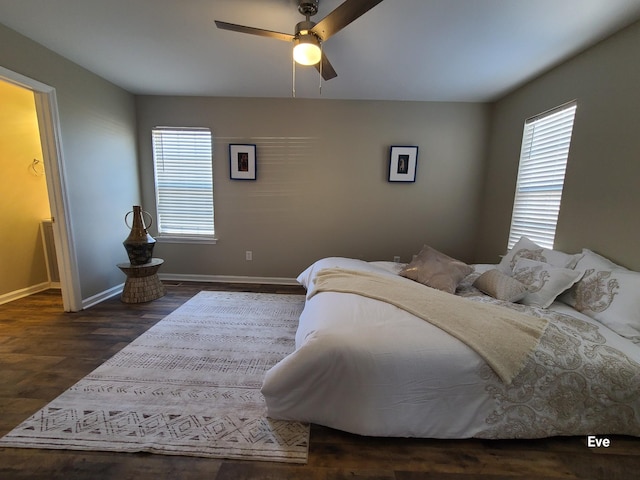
(437, 270)
(501, 286)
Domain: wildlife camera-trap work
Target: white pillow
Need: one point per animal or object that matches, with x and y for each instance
(608, 293)
(596, 260)
(545, 282)
(526, 248)
(589, 261)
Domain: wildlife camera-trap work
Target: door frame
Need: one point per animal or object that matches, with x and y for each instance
(53, 159)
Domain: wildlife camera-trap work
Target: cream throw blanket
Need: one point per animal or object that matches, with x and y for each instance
(503, 337)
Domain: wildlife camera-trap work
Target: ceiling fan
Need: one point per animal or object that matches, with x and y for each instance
(309, 36)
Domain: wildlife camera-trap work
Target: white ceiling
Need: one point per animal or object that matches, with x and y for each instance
(435, 50)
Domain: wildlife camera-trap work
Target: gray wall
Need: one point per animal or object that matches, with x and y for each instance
(322, 186)
(601, 196)
(97, 121)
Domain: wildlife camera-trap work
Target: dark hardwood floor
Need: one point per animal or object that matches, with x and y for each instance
(43, 351)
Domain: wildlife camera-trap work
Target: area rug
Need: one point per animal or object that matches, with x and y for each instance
(190, 385)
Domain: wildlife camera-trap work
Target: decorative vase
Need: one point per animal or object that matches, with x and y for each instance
(139, 244)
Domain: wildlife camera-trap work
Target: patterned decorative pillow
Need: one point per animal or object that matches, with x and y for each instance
(526, 248)
(437, 270)
(598, 260)
(608, 293)
(597, 263)
(545, 282)
(501, 286)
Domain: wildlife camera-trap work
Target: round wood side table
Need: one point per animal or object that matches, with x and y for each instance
(142, 284)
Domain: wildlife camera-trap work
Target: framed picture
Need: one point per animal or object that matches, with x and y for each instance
(242, 162)
(402, 164)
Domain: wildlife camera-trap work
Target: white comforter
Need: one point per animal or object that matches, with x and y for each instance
(367, 367)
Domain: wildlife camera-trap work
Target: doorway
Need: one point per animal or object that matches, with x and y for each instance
(52, 161)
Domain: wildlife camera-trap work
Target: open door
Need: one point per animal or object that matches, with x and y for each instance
(48, 123)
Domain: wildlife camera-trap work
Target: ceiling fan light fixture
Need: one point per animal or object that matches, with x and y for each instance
(307, 49)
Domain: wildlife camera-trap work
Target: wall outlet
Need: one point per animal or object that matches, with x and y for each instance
(396, 259)
(248, 255)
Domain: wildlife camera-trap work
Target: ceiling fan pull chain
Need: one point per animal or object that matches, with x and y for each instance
(321, 62)
(293, 88)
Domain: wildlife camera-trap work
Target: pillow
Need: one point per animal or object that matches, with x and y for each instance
(589, 261)
(598, 261)
(608, 293)
(525, 248)
(545, 282)
(437, 270)
(498, 285)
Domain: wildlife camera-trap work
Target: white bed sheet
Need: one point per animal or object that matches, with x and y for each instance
(367, 367)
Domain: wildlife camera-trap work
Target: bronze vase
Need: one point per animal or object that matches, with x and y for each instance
(139, 244)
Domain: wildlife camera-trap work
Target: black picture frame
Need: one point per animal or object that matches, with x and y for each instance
(403, 161)
(242, 161)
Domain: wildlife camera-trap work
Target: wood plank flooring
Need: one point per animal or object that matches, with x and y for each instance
(43, 351)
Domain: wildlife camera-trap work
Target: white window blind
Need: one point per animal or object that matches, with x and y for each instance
(543, 161)
(184, 181)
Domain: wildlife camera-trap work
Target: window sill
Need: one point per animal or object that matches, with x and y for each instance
(191, 239)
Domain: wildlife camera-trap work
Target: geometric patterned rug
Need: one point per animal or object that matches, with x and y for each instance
(190, 385)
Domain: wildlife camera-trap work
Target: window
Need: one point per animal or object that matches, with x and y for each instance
(183, 168)
(543, 161)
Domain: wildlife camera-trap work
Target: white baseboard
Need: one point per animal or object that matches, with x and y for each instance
(179, 277)
(24, 292)
(102, 296)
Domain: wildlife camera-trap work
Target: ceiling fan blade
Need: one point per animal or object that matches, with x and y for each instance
(342, 16)
(328, 71)
(254, 31)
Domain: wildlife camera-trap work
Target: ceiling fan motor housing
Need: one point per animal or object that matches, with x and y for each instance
(304, 27)
(308, 8)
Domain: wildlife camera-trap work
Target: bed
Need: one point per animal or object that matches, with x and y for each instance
(367, 366)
